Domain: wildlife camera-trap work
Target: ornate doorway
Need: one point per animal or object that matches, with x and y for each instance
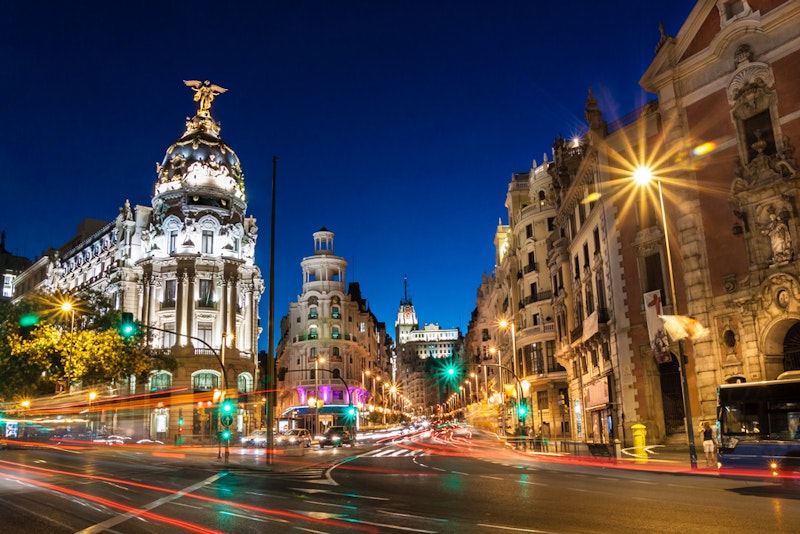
(791, 349)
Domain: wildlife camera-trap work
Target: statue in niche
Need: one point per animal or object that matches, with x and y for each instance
(779, 237)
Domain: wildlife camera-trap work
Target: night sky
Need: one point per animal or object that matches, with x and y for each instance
(397, 124)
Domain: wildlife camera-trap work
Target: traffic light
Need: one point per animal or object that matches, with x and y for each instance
(522, 409)
(226, 435)
(227, 407)
(127, 326)
(27, 323)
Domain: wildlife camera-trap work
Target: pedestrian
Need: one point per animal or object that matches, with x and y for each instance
(708, 443)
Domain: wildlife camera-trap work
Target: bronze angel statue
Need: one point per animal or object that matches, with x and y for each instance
(204, 93)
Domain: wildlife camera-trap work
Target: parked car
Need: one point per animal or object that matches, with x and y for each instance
(258, 438)
(295, 436)
(335, 436)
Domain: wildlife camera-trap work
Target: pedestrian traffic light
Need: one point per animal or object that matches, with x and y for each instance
(180, 421)
(127, 326)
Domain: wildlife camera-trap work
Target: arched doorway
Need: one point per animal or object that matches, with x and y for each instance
(672, 395)
(791, 349)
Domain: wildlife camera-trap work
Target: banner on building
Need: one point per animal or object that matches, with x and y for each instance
(659, 343)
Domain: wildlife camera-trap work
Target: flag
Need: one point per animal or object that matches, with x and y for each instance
(681, 327)
(655, 327)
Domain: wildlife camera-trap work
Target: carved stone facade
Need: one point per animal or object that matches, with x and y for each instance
(184, 267)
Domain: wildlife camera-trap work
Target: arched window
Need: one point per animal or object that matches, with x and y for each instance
(160, 380)
(205, 380)
(244, 383)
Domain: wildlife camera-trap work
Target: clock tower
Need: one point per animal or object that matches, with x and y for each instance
(406, 316)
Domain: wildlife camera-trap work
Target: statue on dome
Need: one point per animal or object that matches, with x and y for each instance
(204, 93)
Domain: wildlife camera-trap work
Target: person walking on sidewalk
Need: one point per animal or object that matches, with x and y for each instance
(708, 443)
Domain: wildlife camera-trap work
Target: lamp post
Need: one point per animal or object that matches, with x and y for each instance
(92, 397)
(642, 176)
(494, 350)
(506, 324)
(318, 360)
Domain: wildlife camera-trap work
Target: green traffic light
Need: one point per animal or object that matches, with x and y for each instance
(226, 434)
(31, 319)
(127, 326)
(227, 407)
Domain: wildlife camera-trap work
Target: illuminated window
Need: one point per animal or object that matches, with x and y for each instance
(206, 291)
(173, 241)
(170, 292)
(208, 242)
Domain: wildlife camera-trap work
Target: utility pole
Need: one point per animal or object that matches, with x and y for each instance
(272, 379)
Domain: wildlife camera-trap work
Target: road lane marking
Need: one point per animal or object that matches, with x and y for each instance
(515, 529)
(493, 478)
(353, 495)
(388, 512)
(106, 525)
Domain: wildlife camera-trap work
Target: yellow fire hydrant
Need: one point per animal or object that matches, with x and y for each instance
(639, 442)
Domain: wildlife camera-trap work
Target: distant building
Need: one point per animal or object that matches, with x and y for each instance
(11, 266)
(420, 353)
(330, 344)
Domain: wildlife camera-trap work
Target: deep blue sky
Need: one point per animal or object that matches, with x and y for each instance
(397, 124)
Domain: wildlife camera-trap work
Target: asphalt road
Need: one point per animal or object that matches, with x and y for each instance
(422, 483)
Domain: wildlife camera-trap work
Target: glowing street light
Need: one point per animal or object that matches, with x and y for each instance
(643, 175)
(68, 307)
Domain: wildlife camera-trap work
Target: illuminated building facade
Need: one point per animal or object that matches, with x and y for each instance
(329, 339)
(184, 267)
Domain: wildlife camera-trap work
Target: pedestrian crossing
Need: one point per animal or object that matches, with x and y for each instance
(393, 452)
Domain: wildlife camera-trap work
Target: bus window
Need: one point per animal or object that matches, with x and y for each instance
(740, 419)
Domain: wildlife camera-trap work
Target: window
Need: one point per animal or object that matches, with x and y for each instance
(335, 312)
(173, 240)
(206, 291)
(551, 224)
(335, 332)
(654, 277)
(312, 332)
(160, 380)
(362, 327)
(529, 231)
(542, 400)
(169, 335)
(586, 254)
(208, 242)
(170, 292)
(205, 381)
(244, 383)
(204, 332)
(312, 312)
(596, 235)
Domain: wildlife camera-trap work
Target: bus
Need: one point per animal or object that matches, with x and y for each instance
(758, 427)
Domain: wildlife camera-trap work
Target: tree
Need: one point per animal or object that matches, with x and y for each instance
(86, 347)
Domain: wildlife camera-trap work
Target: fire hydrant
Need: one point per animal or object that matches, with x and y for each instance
(639, 442)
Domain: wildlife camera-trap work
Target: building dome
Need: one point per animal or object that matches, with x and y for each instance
(201, 162)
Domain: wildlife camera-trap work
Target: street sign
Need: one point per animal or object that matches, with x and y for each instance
(227, 419)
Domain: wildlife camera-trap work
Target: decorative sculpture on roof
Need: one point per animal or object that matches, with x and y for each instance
(204, 93)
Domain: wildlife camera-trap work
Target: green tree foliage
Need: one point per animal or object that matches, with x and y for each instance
(66, 348)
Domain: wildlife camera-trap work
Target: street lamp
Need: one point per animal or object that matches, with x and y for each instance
(477, 389)
(68, 307)
(505, 324)
(642, 176)
(92, 397)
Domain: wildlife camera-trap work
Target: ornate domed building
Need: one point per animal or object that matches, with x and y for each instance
(184, 267)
